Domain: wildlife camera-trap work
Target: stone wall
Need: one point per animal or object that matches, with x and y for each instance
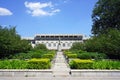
(96, 73)
(48, 75)
(26, 73)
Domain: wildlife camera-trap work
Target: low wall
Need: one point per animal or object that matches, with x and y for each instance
(96, 73)
(75, 74)
(26, 73)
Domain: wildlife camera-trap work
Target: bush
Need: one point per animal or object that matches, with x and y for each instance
(84, 56)
(77, 46)
(39, 64)
(81, 64)
(13, 64)
(40, 47)
(11, 43)
(105, 43)
(106, 64)
(50, 56)
(67, 52)
(91, 55)
(71, 55)
(36, 55)
(29, 55)
(21, 56)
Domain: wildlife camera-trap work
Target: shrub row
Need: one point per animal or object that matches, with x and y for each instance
(90, 64)
(84, 55)
(69, 54)
(81, 64)
(91, 55)
(49, 56)
(106, 64)
(21, 64)
(13, 64)
(34, 54)
(39, 64)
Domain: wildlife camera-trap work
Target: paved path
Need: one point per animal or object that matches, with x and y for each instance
(60, 67)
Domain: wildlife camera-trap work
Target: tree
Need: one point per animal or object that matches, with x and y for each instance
(77, 46)
(105, 43)
(11, 43)
(106, 14)
(40, 47)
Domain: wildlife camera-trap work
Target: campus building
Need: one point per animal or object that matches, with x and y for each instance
(56, 41)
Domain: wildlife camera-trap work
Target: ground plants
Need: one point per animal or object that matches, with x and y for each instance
(91, 55)
(106, 64)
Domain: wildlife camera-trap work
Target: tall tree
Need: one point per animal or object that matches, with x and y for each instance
(11, 43)
(106, 14)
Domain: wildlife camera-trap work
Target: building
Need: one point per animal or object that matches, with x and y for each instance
(56, 41)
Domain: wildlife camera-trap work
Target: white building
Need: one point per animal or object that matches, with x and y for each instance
(56, 41)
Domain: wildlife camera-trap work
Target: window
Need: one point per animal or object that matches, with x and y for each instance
(63, 44)
(54, 44)
(68, 44)
(49, 45)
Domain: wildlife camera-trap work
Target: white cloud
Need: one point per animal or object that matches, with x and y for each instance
(5, 12)
(41, 9)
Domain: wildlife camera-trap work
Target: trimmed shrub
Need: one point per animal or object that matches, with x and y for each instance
(36, 55)
(39, 64)
(50, 56)
(13, 64)
(91, 55)
(72, 55)
(67, 52)
(84, 56)
(40, 47)
(81, 64)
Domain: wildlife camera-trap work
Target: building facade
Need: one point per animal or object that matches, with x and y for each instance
(56, 41)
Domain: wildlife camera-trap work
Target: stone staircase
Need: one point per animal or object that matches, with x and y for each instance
(60, 68)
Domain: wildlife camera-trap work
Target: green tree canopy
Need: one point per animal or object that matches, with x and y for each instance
(40, 47)
(11, 43)
(106, 14)
(108, 43)
(77, 46)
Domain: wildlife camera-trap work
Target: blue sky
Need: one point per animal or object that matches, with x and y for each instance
(47, 16)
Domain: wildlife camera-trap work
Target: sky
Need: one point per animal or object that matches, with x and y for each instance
(47, 16)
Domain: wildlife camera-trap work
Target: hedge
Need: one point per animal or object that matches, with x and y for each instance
(81, 64)
(106, 64)
(90, 64)
(13, 64)
(50, 56)
(71, 55)
(39, 64)
(91, 55)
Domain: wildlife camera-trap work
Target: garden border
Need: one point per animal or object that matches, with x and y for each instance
(95, 73)
(25, 73)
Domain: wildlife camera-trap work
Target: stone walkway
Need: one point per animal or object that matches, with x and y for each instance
(60, 67)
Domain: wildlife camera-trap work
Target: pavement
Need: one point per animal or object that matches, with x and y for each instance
(60, 67)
